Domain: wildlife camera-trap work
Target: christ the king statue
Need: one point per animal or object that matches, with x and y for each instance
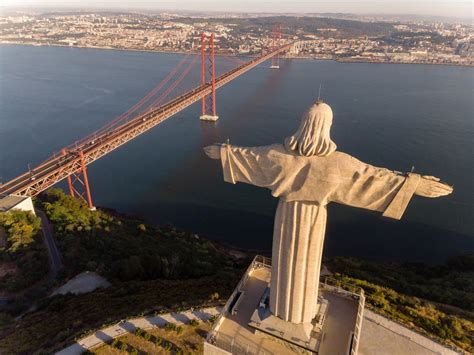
(306, 173)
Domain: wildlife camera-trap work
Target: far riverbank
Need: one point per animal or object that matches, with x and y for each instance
(170, 51)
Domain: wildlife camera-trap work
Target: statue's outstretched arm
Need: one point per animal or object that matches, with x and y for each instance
(250, 165)
(365, 186)
(213, 151)
(430, 186)
(379, 189)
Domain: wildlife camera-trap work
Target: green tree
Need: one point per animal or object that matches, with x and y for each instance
(21, 228)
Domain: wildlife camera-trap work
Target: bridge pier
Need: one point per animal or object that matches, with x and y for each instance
(276, 34)
(78, 181)
(208, 102)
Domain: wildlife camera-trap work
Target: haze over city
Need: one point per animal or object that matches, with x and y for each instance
(454, 8)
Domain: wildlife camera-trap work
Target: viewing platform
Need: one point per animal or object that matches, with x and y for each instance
(246, 325)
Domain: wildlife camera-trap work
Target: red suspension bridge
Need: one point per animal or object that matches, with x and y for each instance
(150, 111)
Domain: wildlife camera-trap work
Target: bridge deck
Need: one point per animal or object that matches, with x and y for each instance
(56, 169)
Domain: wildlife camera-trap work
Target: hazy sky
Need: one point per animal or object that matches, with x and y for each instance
(452, 8)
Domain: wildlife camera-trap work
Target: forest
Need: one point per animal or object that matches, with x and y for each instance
(23, 257)
(125, 248)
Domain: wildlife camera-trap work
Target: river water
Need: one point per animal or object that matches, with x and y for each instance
(396, 116)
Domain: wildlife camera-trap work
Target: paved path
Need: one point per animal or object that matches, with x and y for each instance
(379, 334)
(107, 334)
(382, 336)
(54, 255)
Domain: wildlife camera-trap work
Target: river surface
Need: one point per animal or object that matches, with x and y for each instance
(395, 116)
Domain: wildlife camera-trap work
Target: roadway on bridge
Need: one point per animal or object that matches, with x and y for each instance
(59, 167)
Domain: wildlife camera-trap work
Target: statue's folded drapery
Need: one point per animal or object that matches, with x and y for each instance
(305, 185)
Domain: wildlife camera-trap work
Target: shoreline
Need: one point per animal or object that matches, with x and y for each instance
(310, 57)
(235, 251)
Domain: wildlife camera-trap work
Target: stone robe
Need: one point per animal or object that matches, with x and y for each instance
(305, 185)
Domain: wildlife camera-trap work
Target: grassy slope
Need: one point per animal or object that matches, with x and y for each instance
(451, 283)
(188, 340)
(447, 325)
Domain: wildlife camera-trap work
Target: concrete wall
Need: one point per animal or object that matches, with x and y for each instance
(25, 205)
(210, 349)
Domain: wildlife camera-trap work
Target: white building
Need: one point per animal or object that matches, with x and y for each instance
(13, 202)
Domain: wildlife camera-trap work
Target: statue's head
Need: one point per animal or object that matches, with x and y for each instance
(313, 135)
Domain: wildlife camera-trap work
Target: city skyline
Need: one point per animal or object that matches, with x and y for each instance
(459, 9)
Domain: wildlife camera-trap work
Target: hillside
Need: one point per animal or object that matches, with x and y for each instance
(152, 270)
(23, 258)
(155, 269)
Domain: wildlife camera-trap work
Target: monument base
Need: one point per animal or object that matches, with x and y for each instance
(246, 325)
(209, 118)
(304, 335)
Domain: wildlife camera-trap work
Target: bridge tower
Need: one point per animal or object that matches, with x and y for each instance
(276, 36)
(78, 182)
(208, 102)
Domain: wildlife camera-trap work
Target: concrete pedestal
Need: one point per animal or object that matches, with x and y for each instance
(248, 327)
(209, 118)
(304, 335)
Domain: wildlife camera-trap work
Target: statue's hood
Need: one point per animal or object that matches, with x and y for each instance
(313, 135)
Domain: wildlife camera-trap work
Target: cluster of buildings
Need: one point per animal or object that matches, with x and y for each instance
(125, 31)
(94, 30)
(435, 43)
(369, 50)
